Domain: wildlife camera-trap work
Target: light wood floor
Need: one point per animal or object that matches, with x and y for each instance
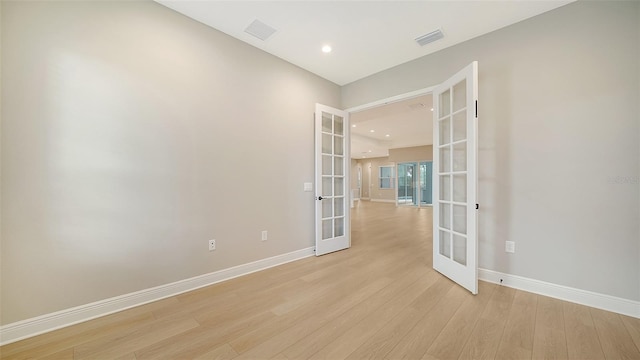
(379, 299)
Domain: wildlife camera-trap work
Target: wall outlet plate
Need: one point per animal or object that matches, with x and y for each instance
(265, 235)
(212, 245)
(510, 246)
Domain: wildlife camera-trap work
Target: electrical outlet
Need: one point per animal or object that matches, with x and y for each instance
(264, 235)
(510, 247)
(212, 245)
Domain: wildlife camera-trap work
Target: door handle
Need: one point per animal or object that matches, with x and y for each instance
(320, 198)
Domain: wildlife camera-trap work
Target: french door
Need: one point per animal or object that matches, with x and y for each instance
(332, 180)
(455, 122)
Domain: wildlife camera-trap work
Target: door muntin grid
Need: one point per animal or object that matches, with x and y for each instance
(333, 176)
(452, 170)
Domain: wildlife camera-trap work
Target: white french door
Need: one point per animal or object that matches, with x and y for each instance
(332, 180)
(455, 242)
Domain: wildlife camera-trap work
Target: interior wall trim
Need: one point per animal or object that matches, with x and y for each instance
(578, 296)
(45, 323)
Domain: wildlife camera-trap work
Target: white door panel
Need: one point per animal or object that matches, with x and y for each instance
(332, 180)
(455, 243)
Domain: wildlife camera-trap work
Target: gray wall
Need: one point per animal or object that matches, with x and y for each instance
(374, 192)
(124, 124)
(558, 142)
(414, 153)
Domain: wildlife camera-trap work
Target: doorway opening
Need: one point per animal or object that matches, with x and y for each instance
(454, 152)
(392, 141)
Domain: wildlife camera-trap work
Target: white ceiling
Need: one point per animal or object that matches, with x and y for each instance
(408, 123)
(366, 36)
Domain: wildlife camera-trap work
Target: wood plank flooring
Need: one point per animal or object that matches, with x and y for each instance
(381, 299)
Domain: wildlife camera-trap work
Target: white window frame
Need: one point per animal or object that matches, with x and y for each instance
(392, 178)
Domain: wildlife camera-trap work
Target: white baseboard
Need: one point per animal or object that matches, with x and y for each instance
(383, 200)
(31, 327)
(583, 297)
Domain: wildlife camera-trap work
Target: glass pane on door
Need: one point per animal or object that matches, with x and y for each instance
(338, 145)
(445, 215)
(339, 186)
(327, 144)
(459, 96)
(445, 159)
(459, 126)
(460, 249)
(327, 210)
(327, 123)
(460, 156)
(339, 226)
(327, 229)
(460, 188)
(338, 125)
(339, 165)
(327, 186)
(445, 131)
(445, 243)
(445, 187)
(339, 206)
(460, 218)
(327, 168)
(445, 103)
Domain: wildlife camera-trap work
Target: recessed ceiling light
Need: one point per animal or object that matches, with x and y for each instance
(354, 125)
(369, 150)
(372, 131)
(326, 49)
(387, 135)
(431, 109)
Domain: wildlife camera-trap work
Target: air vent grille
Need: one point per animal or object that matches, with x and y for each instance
(429, 38)
(260, 30)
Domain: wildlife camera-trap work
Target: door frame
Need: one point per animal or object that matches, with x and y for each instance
(391, 100)
(382, 102)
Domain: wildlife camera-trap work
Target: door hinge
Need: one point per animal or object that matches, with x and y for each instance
(476, 109)
(477, 206)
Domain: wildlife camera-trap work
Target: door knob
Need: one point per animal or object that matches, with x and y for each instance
(319, 197)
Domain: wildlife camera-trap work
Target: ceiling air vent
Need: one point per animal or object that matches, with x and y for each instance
(429, 38)
(260, 30)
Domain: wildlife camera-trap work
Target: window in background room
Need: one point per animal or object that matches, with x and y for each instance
(387, 177)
